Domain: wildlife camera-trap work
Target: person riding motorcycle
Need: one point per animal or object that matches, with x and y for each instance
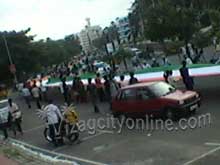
(53, 117)
(60, 123)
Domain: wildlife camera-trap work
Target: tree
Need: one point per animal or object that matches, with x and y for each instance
(30, 56)
(122, 55)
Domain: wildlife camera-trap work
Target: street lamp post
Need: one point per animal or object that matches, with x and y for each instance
(10, 58)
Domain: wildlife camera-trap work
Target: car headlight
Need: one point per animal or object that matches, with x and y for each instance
(181, 102)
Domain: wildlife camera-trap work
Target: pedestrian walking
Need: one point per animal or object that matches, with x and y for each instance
(91, 89)
(54, 117)
(43, 91)
(107, 89)
(36, 95)
(122, 82)
(65, 90)
(133, 80)
(165, 61)
(114, 87)
(26, 95)
(99, 87)
(16, 117)
(187, 79)
(155, 63)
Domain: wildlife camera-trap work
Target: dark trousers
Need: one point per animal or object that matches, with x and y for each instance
(189, 83)
(37, 100)
(27, 101)
(44, 96)
(53, 128)
(66, 97)
(94, 103)
(16, 125)
(3, 128)
(101, 94)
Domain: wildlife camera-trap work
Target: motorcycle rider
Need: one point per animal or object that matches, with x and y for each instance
(70, 119)
(53, 117)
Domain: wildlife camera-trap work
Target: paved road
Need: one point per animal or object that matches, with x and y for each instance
(158, 147)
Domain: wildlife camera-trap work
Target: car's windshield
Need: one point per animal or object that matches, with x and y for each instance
(161, 89)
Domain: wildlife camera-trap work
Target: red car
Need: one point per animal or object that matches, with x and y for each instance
(155, 98)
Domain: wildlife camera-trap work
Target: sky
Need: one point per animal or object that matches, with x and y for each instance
(58, 18)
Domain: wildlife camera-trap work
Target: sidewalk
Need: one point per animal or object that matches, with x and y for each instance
(4, 160)
(10, 155)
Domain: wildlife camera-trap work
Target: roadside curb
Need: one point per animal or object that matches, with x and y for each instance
(49, 156)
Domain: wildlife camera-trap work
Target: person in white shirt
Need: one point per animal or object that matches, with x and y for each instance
(16, 116)
(26, 95)
(43, 90)
(188, 60)
(122, 82)
(36, 94)
(53, 117)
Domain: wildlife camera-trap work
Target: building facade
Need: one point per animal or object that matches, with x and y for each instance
(88, 35)
(124, 30)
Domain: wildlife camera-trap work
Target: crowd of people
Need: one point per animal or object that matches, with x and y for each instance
(102, 88)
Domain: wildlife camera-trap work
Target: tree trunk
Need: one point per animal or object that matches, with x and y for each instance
(125, 64)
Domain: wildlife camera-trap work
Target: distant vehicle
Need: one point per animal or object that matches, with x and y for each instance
(102, 67)
(137, 52)
(155, 98)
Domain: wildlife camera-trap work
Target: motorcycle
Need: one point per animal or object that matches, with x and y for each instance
(67, 130)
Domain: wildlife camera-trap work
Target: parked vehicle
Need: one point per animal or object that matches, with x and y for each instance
(155, 98)
(3, 111)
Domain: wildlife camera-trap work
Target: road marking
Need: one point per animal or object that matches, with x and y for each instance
(92, 136)
(212, 144)
(106, 147)
(106, 131)
(82, 140)
(34, 129)
(202, 156)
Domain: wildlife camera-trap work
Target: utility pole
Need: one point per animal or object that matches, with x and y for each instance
(10, 59)
(153, 3)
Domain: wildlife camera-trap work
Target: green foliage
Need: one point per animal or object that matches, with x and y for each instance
(202, 40)
(30, 56)
(122, 56)
(171, 19)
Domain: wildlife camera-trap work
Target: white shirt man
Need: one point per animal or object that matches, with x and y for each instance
(43, 88)
(53, 114)
(188, 61)
(14, 110)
